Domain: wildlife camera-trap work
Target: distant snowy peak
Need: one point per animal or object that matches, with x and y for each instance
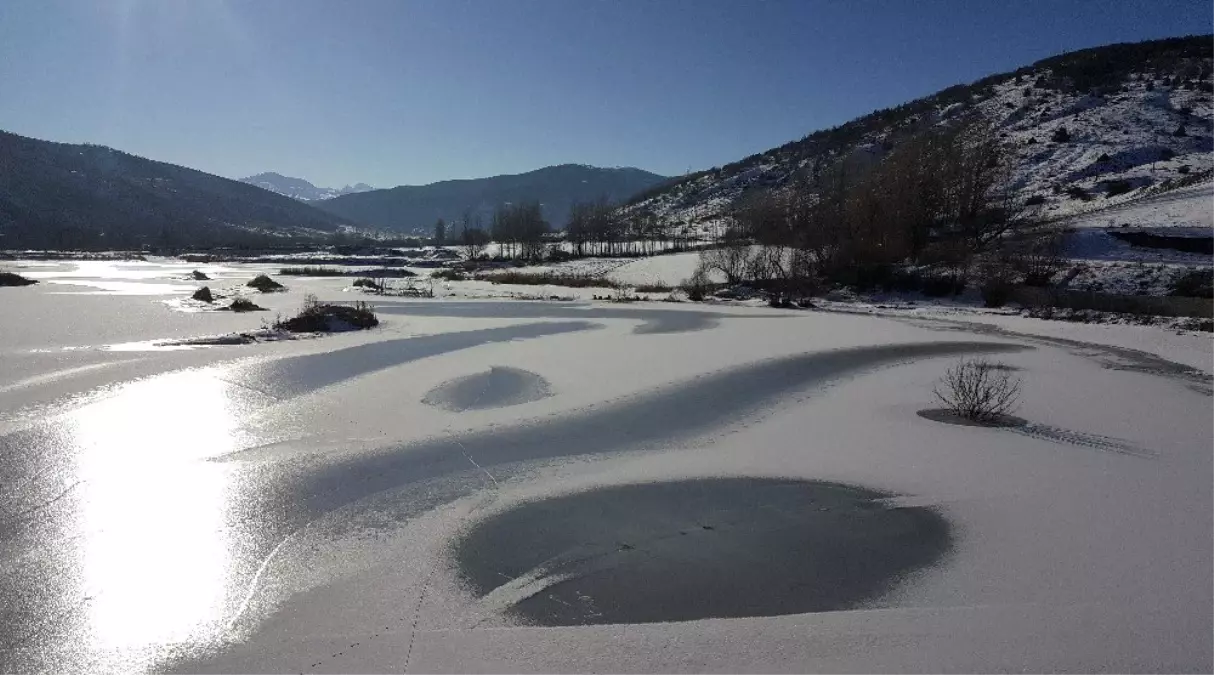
(298, 188)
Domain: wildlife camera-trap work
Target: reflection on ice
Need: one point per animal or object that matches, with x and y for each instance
(117, 277)
(122, 287)
(155, 542)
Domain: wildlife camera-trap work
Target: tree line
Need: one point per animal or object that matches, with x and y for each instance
(939, 197)
(595, 228)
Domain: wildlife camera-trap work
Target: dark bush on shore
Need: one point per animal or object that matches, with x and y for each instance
(245, 305)
(13, 279)
(317, 317)
(884, 277)
(265, 284)
(309, 271)
(549, 279)
(1038, 278)
(448, 274)
(1117, 187)
(1079, 193)
(996, 291)
(697, 285)
(1204, 325)
(1194, 284)
(203, 295)
(652, 288)
(939, 286)
(865, 278)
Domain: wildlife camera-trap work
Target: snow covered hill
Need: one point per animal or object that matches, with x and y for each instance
(1090, 129)
(298, 188)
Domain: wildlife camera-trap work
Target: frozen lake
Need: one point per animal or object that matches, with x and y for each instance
(497, 486)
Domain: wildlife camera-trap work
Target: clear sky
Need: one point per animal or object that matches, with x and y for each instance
(413, 91)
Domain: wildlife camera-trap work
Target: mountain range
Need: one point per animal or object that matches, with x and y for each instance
(84, 196)
(415, 208)
(68, 196)
(298, 188)
(1088, 129)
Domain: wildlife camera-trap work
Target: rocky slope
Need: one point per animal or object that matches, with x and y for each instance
(1089, 129)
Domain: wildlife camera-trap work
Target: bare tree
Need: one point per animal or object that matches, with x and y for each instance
(731, 259)
(520, 228)
(979, 390)
(473, 239)
(1037, 255)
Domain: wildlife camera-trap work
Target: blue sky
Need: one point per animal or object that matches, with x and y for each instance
(412, 91)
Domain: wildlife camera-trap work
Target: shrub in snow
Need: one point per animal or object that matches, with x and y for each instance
(996, 291)
(1195, 283)
(1038, 258)
(696, 286)
(1179, 131)
(245, 305)
(13, 279)
(199, 276)
(1117, 187)
(311, 271)
(448, 274)
(979, 390)
(316, 317)
(1035, 200)
(1061, 135)
(265, 284)
(203, 294)
(1077, 192)
(1205, 325)
(940, 285)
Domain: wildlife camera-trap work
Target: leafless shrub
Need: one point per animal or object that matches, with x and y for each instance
(732, 259)
(995, 283)
(979, 390)
(654, 287)
(697, 285)
(1039, 256)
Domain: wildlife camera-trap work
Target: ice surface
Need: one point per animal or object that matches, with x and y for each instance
(294, 505)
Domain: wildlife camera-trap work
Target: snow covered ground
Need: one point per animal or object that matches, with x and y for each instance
(306, 506)
(1187, 210)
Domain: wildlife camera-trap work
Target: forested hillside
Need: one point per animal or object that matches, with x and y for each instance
(60, 195)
